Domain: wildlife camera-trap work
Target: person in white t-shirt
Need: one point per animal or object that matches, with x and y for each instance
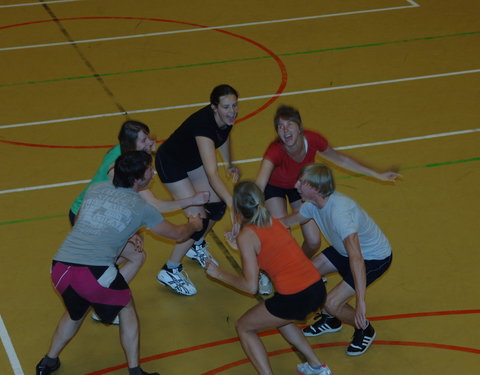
(359, 252)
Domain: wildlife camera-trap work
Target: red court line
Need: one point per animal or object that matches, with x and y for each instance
(424, 314)
(50, 146)
(333, 344)
(325, 345)
(269, 102)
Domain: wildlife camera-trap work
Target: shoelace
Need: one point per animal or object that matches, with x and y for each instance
(357, 338)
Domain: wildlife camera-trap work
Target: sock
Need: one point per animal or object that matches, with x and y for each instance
(171, 265)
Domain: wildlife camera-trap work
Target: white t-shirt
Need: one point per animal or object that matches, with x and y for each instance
(341, 217)
(108, 217)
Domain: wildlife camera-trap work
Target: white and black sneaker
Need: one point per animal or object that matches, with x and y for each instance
(306, 369)
(177, 279)
(325, 324)
(362, 339)
(200, 254)
(265, 286)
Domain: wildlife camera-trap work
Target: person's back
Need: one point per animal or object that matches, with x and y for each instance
(283, 259)
(108, 217)
(342, 216)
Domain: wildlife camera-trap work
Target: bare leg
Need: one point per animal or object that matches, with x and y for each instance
(337, 305)
(295, 337)
(131, 258)
(258, 319)
(197, 181)
(66, 330)
(311, 234)
(129, 333)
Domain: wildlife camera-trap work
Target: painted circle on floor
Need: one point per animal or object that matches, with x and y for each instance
(279, 62)
(243, 361)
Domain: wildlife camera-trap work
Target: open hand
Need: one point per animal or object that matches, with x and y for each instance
(234, 172)
(200, 198)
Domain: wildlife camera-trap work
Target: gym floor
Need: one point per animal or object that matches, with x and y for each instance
(393, 83)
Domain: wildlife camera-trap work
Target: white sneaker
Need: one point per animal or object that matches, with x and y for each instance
(306, 369)
(116, 321)
(265, 286)
(178, 280)
(200, 254)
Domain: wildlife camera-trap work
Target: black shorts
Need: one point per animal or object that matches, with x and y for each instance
(272, 191)
(80, 288)
(373, 268)
(170, 170)
(299, 305)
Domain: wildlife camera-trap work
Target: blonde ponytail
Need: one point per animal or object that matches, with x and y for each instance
(248, 200)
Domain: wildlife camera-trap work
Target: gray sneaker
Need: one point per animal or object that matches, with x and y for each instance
(177, 279)
(306, 369)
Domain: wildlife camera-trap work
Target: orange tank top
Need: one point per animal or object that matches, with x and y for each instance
(283, 260)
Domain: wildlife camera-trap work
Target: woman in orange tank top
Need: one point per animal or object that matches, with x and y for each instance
(264, 243)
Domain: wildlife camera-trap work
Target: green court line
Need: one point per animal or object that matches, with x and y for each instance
(237, 60)
(341, 178)
(32, 219)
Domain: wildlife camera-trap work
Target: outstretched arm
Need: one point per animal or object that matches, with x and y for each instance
(178, 233)
(346, 162)
(294, 219)
(175, 205)
(357, 266)
(226, 151)
(248, 244)
(264, 173)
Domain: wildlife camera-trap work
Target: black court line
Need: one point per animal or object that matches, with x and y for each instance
(84, 59)
(230, 259)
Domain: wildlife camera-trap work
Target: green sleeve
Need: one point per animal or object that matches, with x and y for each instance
(100, 176)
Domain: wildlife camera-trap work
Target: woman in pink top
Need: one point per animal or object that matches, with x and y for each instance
(266, 244)
(286, 156)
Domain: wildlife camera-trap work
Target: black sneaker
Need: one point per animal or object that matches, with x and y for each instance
(44, 368)
(138, 371)
(362, 339)
(325, 324)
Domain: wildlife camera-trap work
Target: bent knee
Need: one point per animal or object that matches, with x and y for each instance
(333, 306)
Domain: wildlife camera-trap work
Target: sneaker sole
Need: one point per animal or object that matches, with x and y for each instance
(173, 289)
(354, 354)
(302, 373)
(310, 334)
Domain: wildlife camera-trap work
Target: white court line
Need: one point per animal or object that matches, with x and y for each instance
(412, 5)
(245, 161)
(30, 4)
(324, 89)
(7, 343)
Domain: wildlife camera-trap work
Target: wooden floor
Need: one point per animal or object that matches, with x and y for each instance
(390, 82)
